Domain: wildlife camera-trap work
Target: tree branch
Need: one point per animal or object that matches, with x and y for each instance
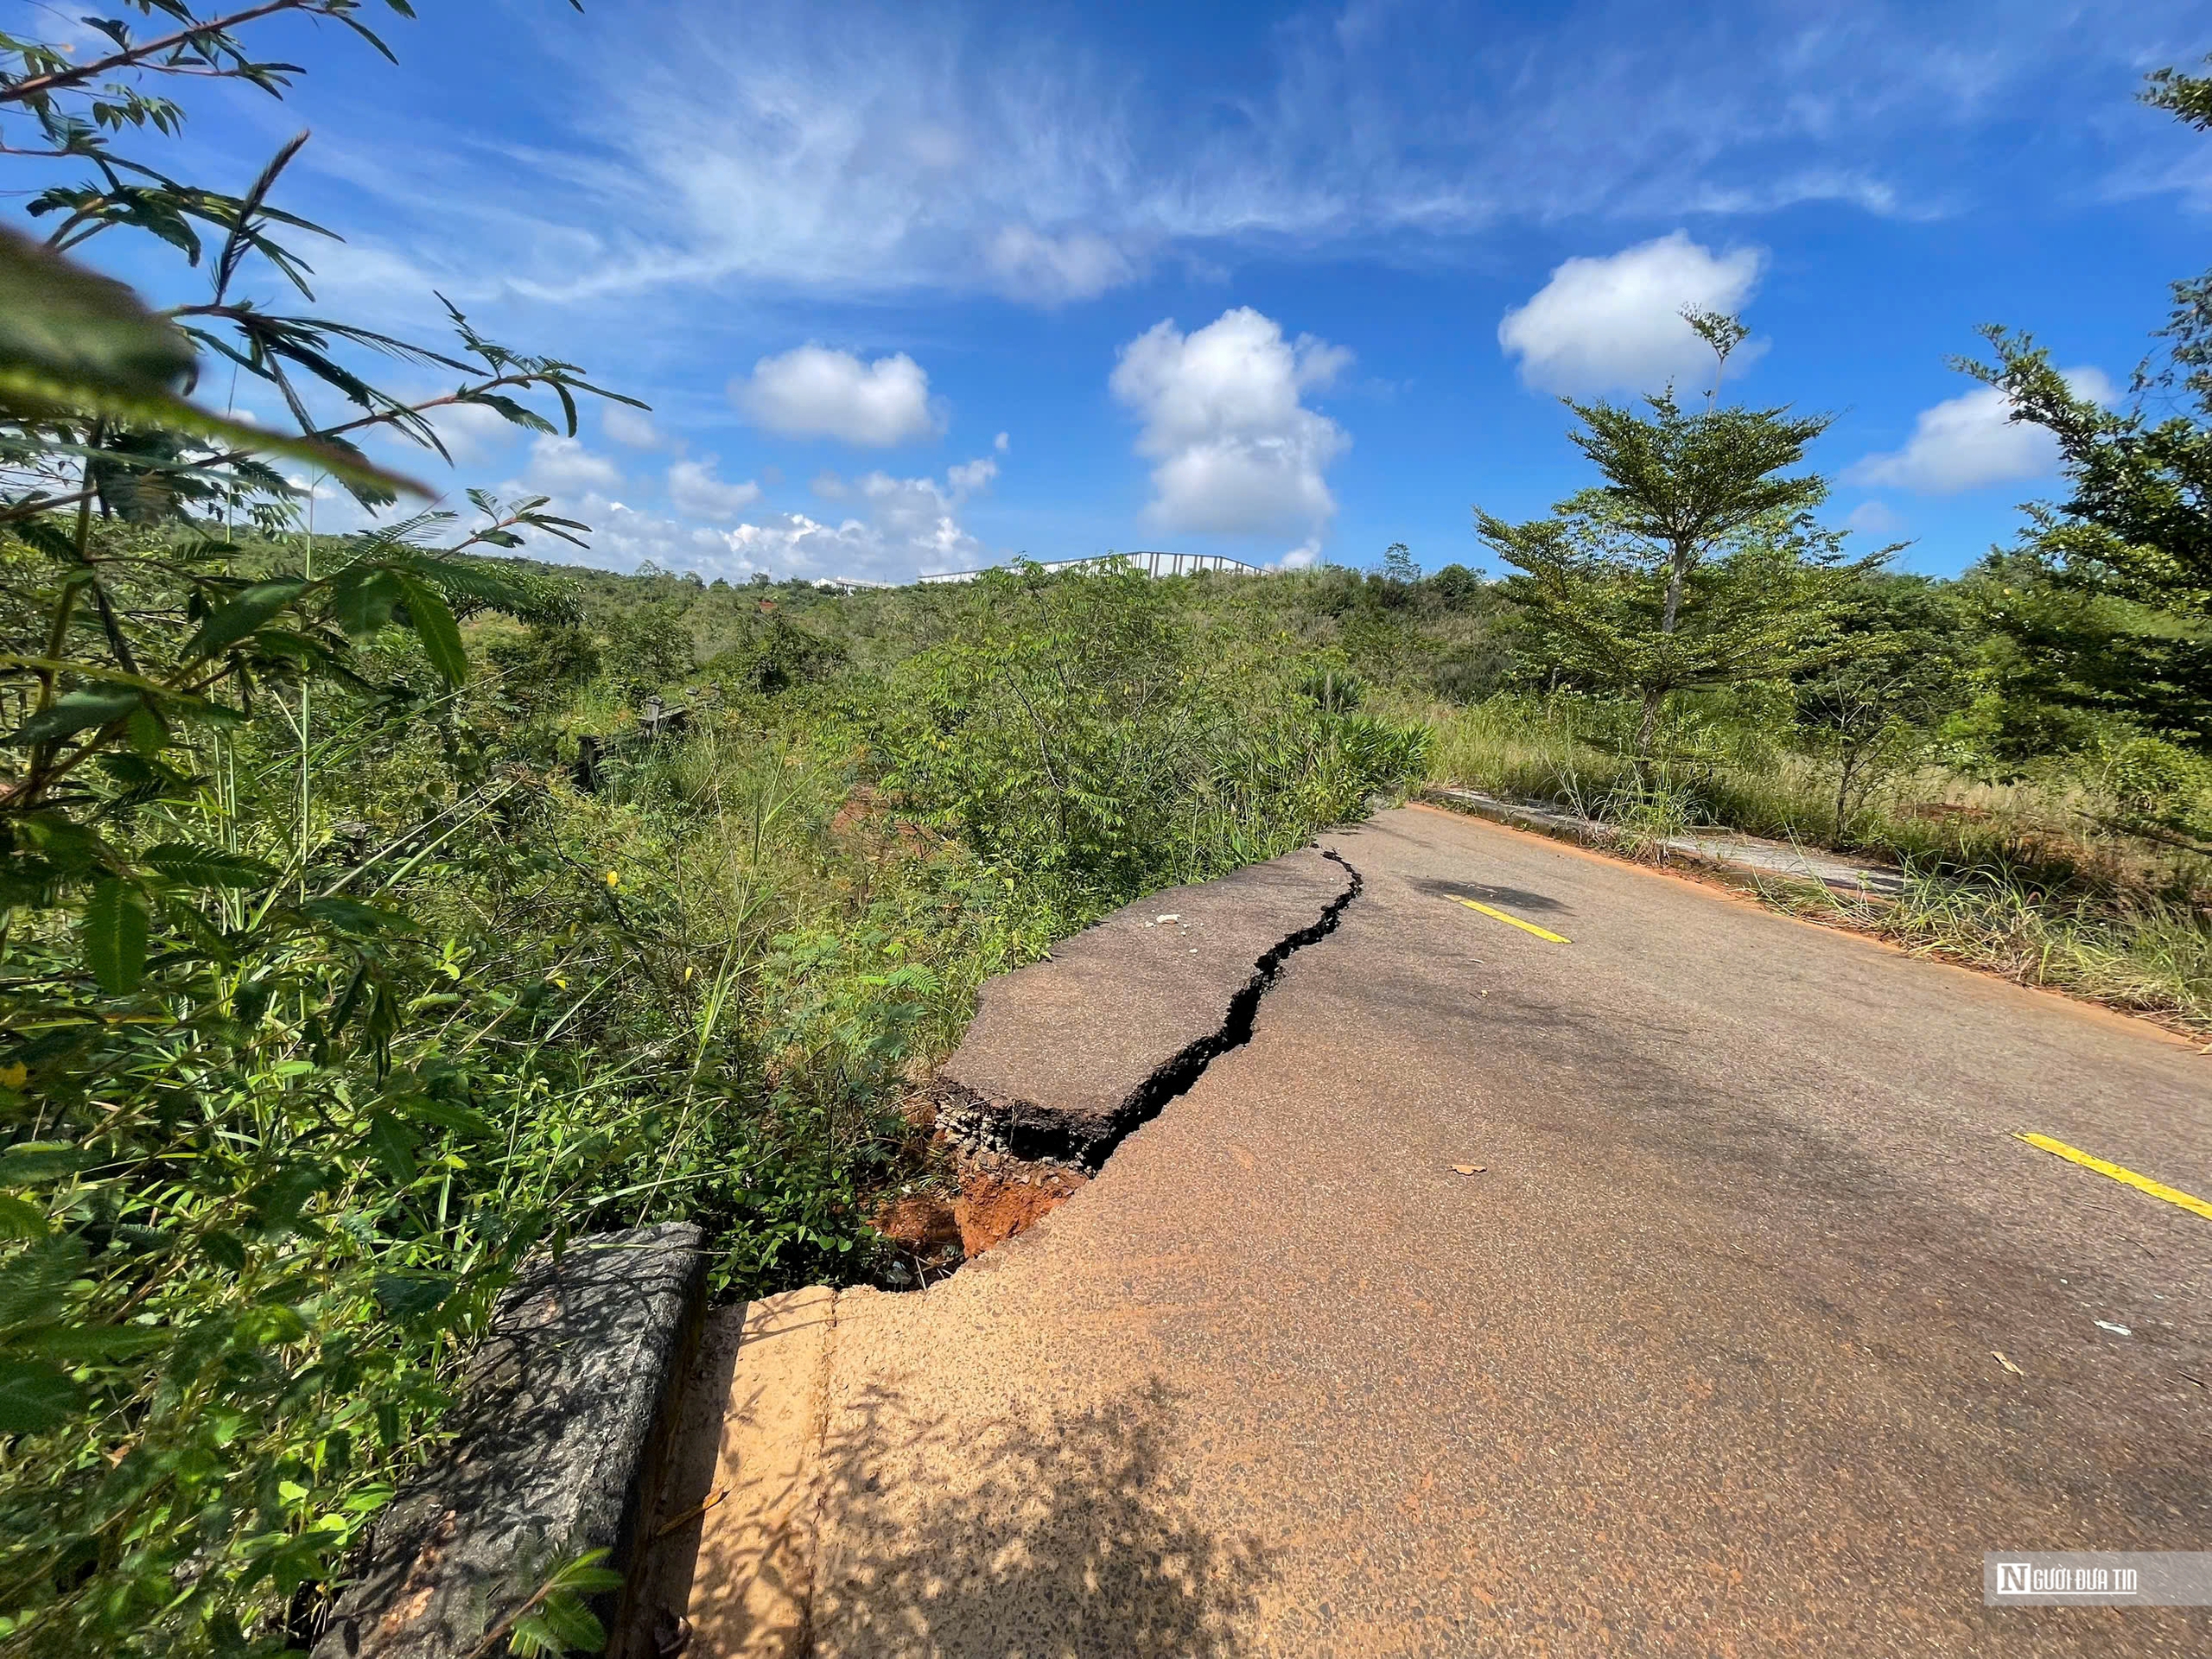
(132, 57)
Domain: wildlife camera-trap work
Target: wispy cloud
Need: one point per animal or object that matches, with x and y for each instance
(920, 149)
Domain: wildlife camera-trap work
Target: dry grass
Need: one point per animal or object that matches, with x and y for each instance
(2012, 879)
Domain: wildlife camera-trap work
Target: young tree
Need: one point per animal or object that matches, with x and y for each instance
(1895, 666)
(2137, 525)
(1697, 562)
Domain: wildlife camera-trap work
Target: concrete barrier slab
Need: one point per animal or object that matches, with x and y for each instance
(559, 1444)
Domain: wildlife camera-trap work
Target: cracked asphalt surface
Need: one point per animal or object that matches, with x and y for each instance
(1702, 1362)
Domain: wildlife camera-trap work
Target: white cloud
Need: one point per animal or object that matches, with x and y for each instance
(562, 466)
(897, 528)
(472, 431)
(1237, 452)
(631, 428)
(814, 392)
(901, 527)
(1616, 323)
(998, 444)
(1875, 518)
(623, 537)
(1053, 270)
(1970, 441)
(971, 476)
(698, 494)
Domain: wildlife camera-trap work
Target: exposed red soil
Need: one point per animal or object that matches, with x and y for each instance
(996, 1205)
(920, 1225)
(997, 1195)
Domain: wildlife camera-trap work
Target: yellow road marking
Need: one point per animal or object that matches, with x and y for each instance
(2125, 1177)
(1515, 921)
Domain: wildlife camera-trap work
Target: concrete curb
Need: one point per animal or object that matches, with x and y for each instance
(751, 1587)
(562, 1432)
(1737, 855)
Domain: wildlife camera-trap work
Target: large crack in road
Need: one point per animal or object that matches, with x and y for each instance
(1180, 1075)
(1051, 1074)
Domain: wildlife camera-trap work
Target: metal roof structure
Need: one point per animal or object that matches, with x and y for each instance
(1146, 563)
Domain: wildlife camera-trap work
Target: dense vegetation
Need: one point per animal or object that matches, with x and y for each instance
(371, 920)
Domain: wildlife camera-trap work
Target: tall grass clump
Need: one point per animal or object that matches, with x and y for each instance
(2144, 954)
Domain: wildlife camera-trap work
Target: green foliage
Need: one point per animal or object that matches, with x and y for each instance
(325, 995)
(558, 1618)
(1086, 737)
(2188, 97)
(2138, 524)
(544, 668)
(649, 649)
(1894, 668)
(266, 1150)
(1696, 563)
(1457, 588)
(774, 654)
(2065, 657)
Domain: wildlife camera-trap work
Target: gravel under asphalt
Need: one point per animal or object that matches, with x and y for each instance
(1702, 1361)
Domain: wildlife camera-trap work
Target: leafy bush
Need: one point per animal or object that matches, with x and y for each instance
(1087, 737)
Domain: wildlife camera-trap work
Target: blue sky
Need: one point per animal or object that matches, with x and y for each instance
(919, 287)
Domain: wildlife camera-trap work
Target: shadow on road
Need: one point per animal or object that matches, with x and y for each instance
(1483, 892)
(1069, 1533)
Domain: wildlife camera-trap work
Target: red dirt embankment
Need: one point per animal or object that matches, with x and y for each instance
(996, 1200)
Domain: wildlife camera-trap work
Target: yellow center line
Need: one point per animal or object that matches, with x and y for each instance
(1515, 921)
(2125, 1177)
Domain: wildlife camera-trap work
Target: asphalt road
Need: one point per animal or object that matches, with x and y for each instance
(1703, 1360)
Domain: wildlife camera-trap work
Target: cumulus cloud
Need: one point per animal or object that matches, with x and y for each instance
(814, 392)
(1237, 452)
(562, 466)
(1971, 441)
(971, 476)
(898, 527)
(891, 529)
(1052, 269)
(631, 428)
(1615, 323)
(697, 494)
(472, 431)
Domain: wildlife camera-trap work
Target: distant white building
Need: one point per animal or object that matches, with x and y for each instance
(1150, 565)
(849, 584)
